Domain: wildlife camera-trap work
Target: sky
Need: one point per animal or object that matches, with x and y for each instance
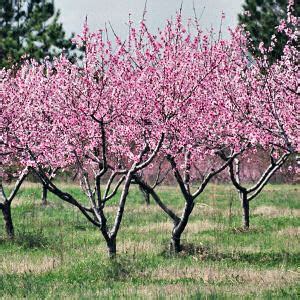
(99, 12)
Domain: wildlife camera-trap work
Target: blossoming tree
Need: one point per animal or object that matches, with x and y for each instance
(9, 153)
(90, 116)
(263, 97)
(187, 67)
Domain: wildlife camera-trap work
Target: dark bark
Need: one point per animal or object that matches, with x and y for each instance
(246, 210)
(112, 247)
(157, 199)
(44, 195)
(175, 244)
(147, 198)
(8, 223)
(145, 194)
(6, 205)
(246, 195)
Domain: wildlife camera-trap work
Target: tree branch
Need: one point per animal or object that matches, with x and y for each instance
(266, 177)
(156, 198)
(18, 184)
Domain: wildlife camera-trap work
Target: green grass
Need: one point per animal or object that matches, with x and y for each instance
(58, 254)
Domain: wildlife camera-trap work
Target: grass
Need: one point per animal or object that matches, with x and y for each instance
(58, 254)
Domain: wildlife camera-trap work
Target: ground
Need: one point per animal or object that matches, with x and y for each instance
(57, 254)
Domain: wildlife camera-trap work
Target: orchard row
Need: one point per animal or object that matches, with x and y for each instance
(158, 104)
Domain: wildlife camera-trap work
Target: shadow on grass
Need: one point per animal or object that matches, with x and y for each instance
(81, 227)
(207, 253)
(27, 240)
(103, 270)
(242, 230)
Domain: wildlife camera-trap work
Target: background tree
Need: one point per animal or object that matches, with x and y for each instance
(30, 27)
(261, 18)
(263, 97)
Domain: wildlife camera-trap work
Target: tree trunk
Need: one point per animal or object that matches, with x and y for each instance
(246, 213)
(44, 195)
(9, 227)
(147, 198)
(112, 247)
(145, 194)
(175, 245)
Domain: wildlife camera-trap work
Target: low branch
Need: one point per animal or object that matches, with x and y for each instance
(269, 170)
(113, 193)
(156, 198)
(211, 175)
(267, 178)
(64, 196)
(18, 184)
(152, 156)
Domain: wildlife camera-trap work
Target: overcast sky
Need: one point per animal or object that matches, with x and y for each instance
(73, 12)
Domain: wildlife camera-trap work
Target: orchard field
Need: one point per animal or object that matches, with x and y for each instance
(162, 115)
(57, 253)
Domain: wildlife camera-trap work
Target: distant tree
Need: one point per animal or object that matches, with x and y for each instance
(30, 27)
(261, 18)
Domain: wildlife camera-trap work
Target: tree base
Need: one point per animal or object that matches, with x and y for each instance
(175, 246)
(112, 249)
(9, 227)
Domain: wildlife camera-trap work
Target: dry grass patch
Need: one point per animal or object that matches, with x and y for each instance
(199, 226)
(166, 227)
(144, 209)
(16, 265)
(17, 202)
(132, 247)
(207, 210)
(290, 232)
(273, 212)
(251, 249)
(251, 279)
(140, 209)
(168, 291)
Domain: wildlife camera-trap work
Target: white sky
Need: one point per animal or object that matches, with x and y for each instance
(73, 12)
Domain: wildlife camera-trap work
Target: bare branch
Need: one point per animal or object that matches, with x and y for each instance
(18, 184)
(152, 156)
(62, 195)
(156, 198)
(178, 177)
(113, 193)
(122, 202)
(266, 177)
(211, 175)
